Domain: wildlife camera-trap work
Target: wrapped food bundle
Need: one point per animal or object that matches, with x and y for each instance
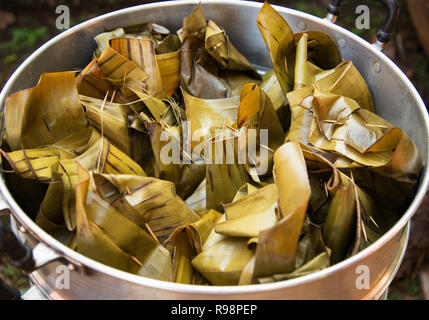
(172, 157)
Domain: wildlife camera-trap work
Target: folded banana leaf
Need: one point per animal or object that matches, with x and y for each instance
(207, 56)
(153, 202)
(197, 200)
(169, 68)
(186, 176)
(91, 83)
(164, 41)
(182, 271)
(257, 112)
(106, 235)
(207, 115)
(322, 50)
(224, 172)
(222, 263)
(280, 42)
(44, 114)
(250, 215)
(191, 237)
(276, 249)
(103, 39)
(318, 263)
(46, 163)
(121, 71)
(223, 51)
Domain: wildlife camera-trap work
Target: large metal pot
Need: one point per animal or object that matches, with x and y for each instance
(395, 98)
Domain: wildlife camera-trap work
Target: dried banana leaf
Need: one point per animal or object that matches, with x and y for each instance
(338, 229)
(257, 112)
(142, 53)
(251, 214)
(207, 115)
(107, 236)
(91, 82)
(321, 49)
(223, 262)
(44, 114)
(191, 237)
(121, 71)
(153, 200)
(197, 200)
(276, 249)
(111, 119)
(279, 39)
(185, 175)
(208, 57)
(224, 172)
(223, 51)
(103, 39)
(169, 68)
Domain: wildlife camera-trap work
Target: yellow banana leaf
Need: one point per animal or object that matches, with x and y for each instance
(197, 200)
(223, 262)
(321, 49)
(251, 214)
(257, 112)
(224, 176)
(182, 271)
(338, 229)
(154, 200)
(208, 58)
(191, 237)
(110, 118)
(169, 68)
(207, 115)
(276, 249)
(142, 53)
(44, 114)
(280, 42)
(121, 71)
(224, 52)
(107, 236)
(91, 82)
(103, 39)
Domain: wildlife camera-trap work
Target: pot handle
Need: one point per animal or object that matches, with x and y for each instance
(385, 32)
(17, 254)
(22, 257)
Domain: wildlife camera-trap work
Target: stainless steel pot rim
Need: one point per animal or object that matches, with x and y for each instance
(72, 255)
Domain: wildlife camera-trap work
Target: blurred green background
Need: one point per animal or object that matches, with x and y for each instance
(27, 24)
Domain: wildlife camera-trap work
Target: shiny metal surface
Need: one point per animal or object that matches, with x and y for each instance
(395, 99)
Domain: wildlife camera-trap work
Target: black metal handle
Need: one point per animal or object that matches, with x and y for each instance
(18, 254)
(385, 32)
